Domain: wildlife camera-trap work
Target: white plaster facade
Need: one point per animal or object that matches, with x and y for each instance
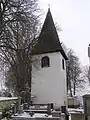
(49, 83)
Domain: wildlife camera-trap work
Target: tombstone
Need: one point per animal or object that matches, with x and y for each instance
(56, 113)
(52, 106)
(21, 109)
(86, 102)
(13, 107)
(37, 107)
(19, 103)
(31, 114)
(28, 96)
(62, 116)
(49, 109)
(63, 109)
(25, 106)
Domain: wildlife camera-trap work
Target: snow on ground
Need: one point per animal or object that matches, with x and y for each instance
(26, 115)
(8, 98)
(69, 117)
(73, 110)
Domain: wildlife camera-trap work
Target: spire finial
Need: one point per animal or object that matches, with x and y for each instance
(48, 6)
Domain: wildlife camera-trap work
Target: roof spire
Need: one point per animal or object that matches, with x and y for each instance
(48, 6)
(48, 40)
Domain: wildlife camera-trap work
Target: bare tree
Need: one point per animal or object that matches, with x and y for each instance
(18, 31)
(83, 79)
(73, 72)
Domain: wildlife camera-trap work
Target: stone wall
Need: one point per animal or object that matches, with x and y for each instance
(20, 118)
(77, 116)
(6, 102)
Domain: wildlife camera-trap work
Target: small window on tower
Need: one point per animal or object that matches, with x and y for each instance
(63, 65)
(45, 62)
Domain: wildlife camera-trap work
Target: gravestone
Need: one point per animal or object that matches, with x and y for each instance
(21, 109)
(86, 101)
(56, 113)
(25, 106)
(13, 107)
(49, 109)
(19, 103)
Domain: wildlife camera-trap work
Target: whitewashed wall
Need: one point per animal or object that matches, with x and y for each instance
(49, 84)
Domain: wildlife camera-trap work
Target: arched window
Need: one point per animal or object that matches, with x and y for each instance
(45, 62)
(63, 65)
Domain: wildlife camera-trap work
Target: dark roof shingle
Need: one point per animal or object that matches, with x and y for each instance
(48, 39)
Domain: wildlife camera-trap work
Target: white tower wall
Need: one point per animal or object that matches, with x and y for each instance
(49, 83)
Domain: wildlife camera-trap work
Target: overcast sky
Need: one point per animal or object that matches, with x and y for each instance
(73, 16)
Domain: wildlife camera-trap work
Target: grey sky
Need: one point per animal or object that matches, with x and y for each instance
(73, 16)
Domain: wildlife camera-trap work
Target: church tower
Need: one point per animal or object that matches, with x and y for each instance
(49, 67)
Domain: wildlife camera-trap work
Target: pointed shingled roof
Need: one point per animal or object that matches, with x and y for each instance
(48, 39)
